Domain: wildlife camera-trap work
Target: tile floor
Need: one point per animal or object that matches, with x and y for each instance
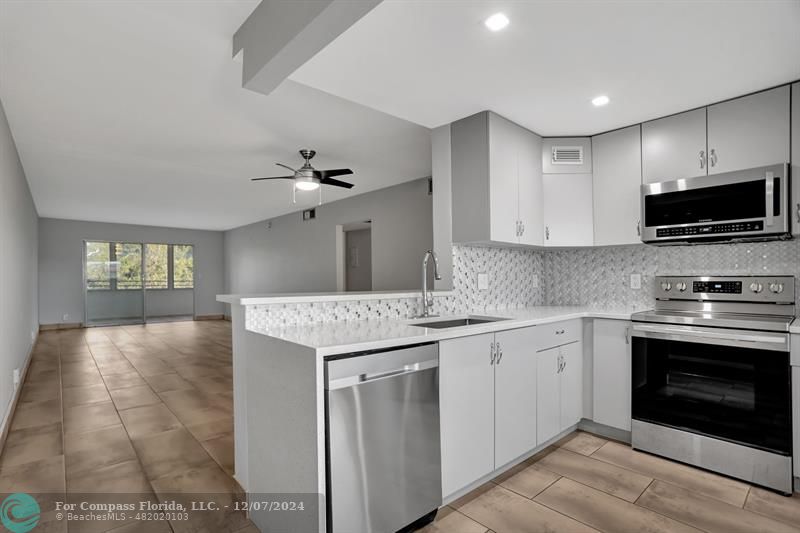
(586, 483)
(147, 410)
(127, 411)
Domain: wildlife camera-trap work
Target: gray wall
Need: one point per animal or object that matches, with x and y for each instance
(18, 249)
(297, 256)
(61, 263)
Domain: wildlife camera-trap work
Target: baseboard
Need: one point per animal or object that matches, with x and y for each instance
(62, 325)
(797, 484)
(590, 426)
(227, 318)
(210, 317)
(12, 406)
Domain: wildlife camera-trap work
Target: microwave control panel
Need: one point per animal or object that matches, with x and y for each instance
(710, 229)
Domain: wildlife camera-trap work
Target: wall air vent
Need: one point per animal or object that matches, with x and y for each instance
(567, 155)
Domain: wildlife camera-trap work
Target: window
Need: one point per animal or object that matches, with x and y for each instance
(156, 263)
(98, 267)
(128, 265)
(183, 266)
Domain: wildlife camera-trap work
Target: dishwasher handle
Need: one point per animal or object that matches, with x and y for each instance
(357, 379)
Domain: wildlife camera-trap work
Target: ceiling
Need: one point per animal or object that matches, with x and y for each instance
(133, 112)
(435, 62)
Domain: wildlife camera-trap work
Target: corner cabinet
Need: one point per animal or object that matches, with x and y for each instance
(496, 181)
(616, 181)
(487, 396)
(611, 383)
(559, 389)
(795, 171)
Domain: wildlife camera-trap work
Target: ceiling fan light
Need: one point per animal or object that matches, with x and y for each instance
(306, 184)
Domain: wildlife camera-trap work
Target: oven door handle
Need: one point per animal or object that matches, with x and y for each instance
(777, 342)
(769, 195)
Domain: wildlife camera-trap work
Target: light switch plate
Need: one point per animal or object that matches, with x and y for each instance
(535, 281)
(483, 281)
(636, 281)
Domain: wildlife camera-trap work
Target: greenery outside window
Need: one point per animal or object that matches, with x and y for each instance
(156, 263)
(118, 266)
(183, 266)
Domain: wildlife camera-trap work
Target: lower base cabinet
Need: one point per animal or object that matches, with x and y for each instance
(559, 389)
(611, 383)
(487, 402)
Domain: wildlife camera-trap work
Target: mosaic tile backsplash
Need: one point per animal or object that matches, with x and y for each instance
(525, 278)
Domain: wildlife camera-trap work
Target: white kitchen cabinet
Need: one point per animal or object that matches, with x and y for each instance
(795, 170)
(796, 417)
(496, 181)
(611, 383)
(466, 407)
(568, 219)
(559, 389)
(548, 401)
(616, 186)
(748, 132)
(674, 147)
(515, 394)
(571, 391)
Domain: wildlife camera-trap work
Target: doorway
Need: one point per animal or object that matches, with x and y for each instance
(357, 256)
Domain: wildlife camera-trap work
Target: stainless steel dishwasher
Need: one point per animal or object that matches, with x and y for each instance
(382, 441)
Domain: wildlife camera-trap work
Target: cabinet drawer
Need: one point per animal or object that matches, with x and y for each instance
(558, 333)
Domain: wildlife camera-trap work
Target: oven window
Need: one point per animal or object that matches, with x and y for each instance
(734, 201)
(740, 395)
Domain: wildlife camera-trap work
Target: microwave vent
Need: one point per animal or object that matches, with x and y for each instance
(567, 155)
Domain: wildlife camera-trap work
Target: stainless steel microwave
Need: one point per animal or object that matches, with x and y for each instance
(748, 204)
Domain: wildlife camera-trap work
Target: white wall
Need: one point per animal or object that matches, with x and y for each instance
(300, 256)
(61, 263)
(18, 249)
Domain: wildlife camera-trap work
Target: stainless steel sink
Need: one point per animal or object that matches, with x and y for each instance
(458, 322)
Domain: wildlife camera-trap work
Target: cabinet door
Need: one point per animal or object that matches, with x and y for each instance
(795, 170)
(616, 186)
(515, 395)
(612, 374)
(571, 384)
(748, 132)
(466, 406)
(504, 142)
(530, 197)
(674, 147)
(568, 210)
(548, 408)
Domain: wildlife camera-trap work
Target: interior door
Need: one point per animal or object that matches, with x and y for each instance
(113, 283)
(674, 147)
(748, 132)
(515, 395)
(548, 400)
(503, 179)
(571, 384)
(466, 406)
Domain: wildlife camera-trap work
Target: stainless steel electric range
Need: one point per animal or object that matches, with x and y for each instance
(711, 378)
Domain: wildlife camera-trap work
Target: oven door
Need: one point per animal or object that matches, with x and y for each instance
(749, 203)
(733, 385)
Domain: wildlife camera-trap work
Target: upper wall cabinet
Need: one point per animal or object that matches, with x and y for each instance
(746, 132)
(497, 181)
(568, 210)
(674, 147)
(617, 175)
(795, 171)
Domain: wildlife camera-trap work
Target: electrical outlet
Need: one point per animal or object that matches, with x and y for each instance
(65, 317)
(33, 335)
(16, 377)
(636, 281)
(535, 281)
(483, 281)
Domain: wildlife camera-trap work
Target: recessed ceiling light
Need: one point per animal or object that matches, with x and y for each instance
(496, 22)
(601, 100)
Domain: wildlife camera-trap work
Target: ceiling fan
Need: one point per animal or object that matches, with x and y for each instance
(307, 178)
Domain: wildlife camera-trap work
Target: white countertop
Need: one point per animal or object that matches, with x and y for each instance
(333, 338)
(306, 297)
(795, 327)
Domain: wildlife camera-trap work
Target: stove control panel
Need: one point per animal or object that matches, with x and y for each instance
(759, 289)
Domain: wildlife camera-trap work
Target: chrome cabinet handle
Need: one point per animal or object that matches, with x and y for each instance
(798, 213)
(712, 157)
(559, 332)
(547, 232)
(491, 354)
(521, 228)
(627, 335)
(639, 227)
(517, 228)
(702, 159)
(499, 353)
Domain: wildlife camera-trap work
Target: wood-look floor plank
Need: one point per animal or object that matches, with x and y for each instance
(504, 511)
(528, 481)
(707, 513)
(582, 442)
(785, 509)
(448, 520)
(694, 479)
(609, 478)
(606, 512)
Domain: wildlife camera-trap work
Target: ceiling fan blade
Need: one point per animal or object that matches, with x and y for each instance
(336, 183)
(273, 178)
(322, 174)
(286, 166)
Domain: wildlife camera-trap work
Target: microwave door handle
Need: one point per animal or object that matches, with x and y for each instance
(770, 193)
